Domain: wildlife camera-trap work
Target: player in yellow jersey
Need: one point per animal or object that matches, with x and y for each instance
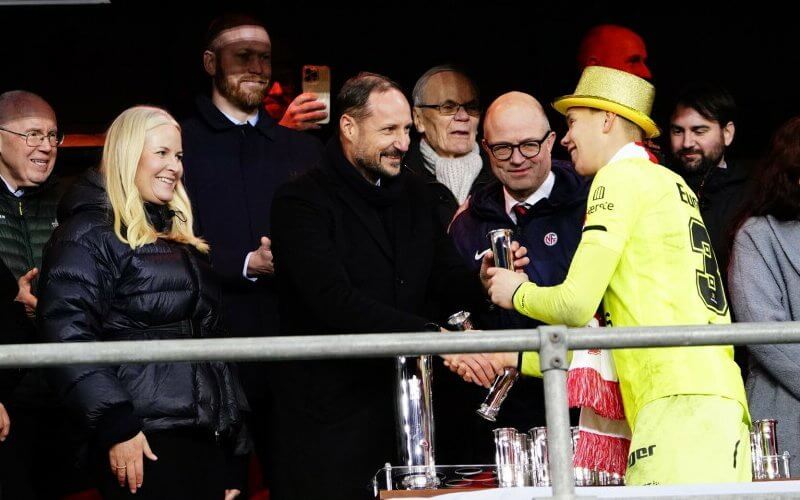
(646, 255)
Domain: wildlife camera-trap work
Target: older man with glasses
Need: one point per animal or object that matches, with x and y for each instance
(446, 115)
(29, 141)
(29, 196)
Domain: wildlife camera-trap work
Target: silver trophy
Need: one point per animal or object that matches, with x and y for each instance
(525, 468)
(500, 241)
(767, 463)
(508, 456)
(539, 455)
(497, 393)
(414, 413)
(460, 321)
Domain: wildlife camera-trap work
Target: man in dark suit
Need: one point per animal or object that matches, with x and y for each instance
(235, 158)
(360, 250)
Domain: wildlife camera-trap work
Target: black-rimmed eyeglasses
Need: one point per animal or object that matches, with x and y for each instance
(450, 108)
(35, 139)
(529, 149)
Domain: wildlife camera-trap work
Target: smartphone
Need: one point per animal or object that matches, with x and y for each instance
(317, 79)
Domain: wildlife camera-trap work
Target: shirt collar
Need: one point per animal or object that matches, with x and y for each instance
(628, 151)
(251, 119)
(543, 192)
(18, 193)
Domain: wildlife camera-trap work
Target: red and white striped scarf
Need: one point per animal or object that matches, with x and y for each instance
(593, 386)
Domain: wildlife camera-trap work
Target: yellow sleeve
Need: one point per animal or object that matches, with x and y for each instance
(531, 364)
(611, 212)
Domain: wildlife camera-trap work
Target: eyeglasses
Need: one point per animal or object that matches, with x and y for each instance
(450, 108)
(529, 149)
(35, 139)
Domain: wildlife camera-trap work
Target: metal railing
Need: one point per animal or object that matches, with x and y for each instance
(552, 343)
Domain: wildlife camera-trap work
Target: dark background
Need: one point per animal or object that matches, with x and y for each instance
(91, 62)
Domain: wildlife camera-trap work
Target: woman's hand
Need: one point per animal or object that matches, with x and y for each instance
(5, 423)
(127, 463)
(231, 494)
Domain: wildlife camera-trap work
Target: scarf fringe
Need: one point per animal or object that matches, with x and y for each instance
(600, 452)
(586, 387)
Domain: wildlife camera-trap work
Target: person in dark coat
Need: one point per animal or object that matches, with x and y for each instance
(360, 250)
(29, 194)
(446, 114)
(125, 264)
(14, 332)
(236, 158)
(702, 129)
(543, 201)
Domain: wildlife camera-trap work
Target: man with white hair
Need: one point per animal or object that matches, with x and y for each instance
(446, 114)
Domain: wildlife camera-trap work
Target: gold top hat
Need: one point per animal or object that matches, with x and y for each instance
(616, 91)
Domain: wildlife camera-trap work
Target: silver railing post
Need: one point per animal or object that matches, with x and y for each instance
(553, 360)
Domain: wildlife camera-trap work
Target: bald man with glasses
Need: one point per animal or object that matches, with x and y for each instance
(542, 201)
(34, 431)
(29, 141)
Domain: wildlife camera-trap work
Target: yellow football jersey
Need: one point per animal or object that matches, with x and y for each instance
(646, 254)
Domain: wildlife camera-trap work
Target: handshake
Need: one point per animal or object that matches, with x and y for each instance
(497, 371)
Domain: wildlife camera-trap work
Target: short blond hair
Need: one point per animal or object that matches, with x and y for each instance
(123, 148)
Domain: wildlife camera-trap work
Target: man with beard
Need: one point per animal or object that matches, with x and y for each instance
(702, 128)
(235, 158)
(360, 250)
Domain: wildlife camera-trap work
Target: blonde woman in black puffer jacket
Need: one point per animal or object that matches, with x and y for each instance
(126, 265)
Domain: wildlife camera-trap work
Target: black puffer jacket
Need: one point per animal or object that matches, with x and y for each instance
(95, 288)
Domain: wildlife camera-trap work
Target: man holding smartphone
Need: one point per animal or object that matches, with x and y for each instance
(236, 157)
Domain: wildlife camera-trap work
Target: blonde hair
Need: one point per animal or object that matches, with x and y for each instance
(123, 148)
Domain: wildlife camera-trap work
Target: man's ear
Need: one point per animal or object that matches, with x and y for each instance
(485, 146)
(210, 62)
(348, 126)
(728, 131)
(548, 144)
(417, 113)
(608, 121)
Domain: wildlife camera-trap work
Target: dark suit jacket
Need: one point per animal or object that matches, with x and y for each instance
(15, 328)
(231, 174)
(351, 265)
